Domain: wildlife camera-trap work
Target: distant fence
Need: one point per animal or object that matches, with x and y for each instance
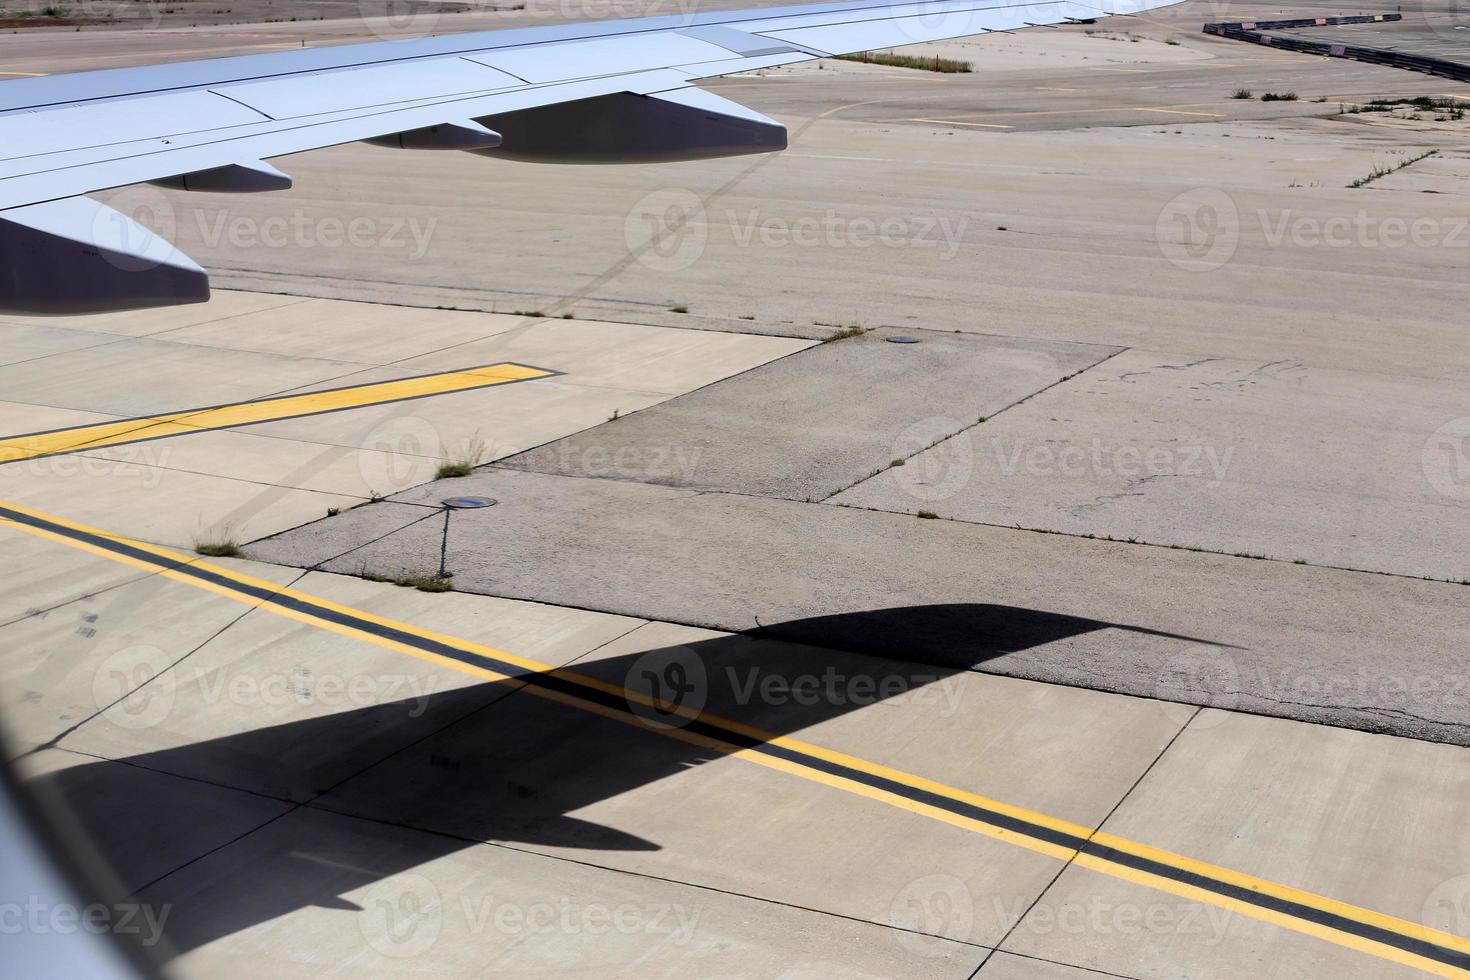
(1251, 31)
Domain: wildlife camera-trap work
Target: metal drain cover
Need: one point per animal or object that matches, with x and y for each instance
(469, 503)
(902, 340)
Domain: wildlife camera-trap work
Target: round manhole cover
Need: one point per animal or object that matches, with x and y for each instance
(469, 503)
(902, 340)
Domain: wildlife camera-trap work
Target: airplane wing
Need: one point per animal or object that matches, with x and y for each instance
(600, 92)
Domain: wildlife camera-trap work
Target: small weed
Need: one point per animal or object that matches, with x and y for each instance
(1001, 228)
(1279, 97)
(1383, 170)
(569, 316)
(333, 511)
(843, 333)
(614, 416)
(927, 515)
(896, 462)
(465, 463)
(678, 309)
(1242, 93)
(526, 313)
(223, 548)
(425, 583)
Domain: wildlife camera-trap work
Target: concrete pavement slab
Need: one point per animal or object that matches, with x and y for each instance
(276, 707)
(809, 425)
(146, 377)
(555, 779)
(30, 341)
(361, 332)
(223, 305)
(621, 355)
(65, 665)
(55, 575)
(1342, 647)
(176, 507)
(320, 893)
(1280, 459)
(1314, 808)
(1008, 966)
(142, 824)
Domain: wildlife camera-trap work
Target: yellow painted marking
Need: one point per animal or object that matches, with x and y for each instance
(266, 410)
(1090, 861)
(956, 122)
(1180, 112)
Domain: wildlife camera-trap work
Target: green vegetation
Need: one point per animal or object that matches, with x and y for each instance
(927, 515)
(947, 66)
(1242, 93)
(465, 463)
(1279, 97)
(1383, 170)
(223, 548)
(843, 333)
(424, 583)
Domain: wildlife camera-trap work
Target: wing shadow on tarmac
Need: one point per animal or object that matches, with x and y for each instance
(493, 763)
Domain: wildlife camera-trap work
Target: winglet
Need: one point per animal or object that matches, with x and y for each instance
(78, 256)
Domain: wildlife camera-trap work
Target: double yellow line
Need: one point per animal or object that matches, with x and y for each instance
(1386, 937)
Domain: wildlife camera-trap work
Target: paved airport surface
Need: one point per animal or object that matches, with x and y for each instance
(1114, 628)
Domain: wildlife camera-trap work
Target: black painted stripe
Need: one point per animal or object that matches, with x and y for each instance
(742, 741)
